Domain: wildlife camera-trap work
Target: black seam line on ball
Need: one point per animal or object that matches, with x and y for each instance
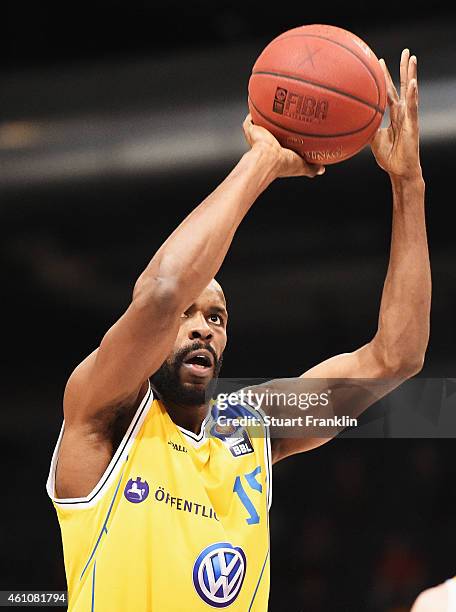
(287, 129)
(360, 57)
(333, 89)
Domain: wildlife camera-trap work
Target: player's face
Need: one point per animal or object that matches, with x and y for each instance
(189, 374)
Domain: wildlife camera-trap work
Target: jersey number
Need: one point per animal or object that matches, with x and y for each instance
(254, 517)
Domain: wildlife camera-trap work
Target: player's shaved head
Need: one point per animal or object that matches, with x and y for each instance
(214, 284)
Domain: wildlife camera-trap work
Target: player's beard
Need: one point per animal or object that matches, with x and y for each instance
(168, 383)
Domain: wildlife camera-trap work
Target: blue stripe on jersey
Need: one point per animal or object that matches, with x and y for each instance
(259, 580)
(93, 586)
(104, 528)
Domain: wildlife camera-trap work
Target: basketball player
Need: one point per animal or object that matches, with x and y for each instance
(156, 512)
(441, 598)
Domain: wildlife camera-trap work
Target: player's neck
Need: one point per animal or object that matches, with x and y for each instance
(188, 417)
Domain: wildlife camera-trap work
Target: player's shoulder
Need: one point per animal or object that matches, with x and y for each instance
(434, 599)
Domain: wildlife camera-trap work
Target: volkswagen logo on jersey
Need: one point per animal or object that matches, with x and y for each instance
(136, 491)
(218, 574)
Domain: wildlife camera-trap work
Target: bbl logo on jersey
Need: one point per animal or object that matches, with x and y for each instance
(218, 574)
(236, 439)
(240, 445)
(136, 491)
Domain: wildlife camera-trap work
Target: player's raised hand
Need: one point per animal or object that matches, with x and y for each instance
(288, 163)
(396, 148)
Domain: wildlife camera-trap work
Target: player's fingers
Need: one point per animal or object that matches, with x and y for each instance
(404, 72)
(247, 122)
(390, 88)
(412, 68)
(412, 88)
(297, 166)
(412, 100)
(313, 170)
(246, 125)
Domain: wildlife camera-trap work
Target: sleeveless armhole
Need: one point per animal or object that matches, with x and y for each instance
(118, 459)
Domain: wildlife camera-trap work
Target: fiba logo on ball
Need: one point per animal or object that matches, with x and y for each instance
(281, 94)
(299, 107)
(279, 100)
(218, 574)
(136, 491)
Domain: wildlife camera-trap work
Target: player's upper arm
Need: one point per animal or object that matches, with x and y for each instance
(365, 362)
(432, 600)
(352, 382)
(131, 351)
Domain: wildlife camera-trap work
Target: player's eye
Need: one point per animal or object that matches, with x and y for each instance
(215, 318)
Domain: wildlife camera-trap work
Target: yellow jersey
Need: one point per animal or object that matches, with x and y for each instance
(177, 522)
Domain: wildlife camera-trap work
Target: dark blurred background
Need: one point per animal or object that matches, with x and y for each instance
(116, 120)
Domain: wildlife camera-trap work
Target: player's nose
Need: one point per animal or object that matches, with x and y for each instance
(199, 328)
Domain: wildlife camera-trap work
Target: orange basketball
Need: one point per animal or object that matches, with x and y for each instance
(320, 90)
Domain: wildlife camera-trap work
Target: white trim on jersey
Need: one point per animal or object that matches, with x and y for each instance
(268, 462)
(112, 470)
(196, 440)
(451, 591)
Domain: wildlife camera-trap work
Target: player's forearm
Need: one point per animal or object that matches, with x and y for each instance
(403, 330)
(194, 252)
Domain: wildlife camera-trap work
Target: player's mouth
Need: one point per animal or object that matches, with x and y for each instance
(199, 362)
